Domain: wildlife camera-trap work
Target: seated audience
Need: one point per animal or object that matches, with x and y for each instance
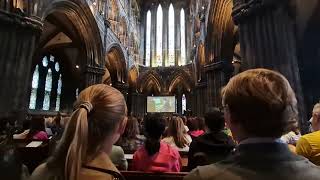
(258, 104)
(96, 124)
(37, 130)
(25, 129)
(131, 139)
(117, 158)
(11, 167)
(309, 144)
(196, 127)
(177, 135)
(213, 146)
(156, 156)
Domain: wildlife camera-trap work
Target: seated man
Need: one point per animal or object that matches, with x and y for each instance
(258, 106)
(213, 146)
(309, 144)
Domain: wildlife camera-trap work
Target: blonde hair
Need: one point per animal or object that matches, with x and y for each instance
(262, 101)
(316, 109)
(177, 130)
(98, 111)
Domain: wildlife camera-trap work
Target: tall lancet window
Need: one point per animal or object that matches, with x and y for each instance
(148, 39)
(184, 103)
(58, 94)
(183, 39)
(158, 60)
(47, 92)
(34, 90)
(171, 58)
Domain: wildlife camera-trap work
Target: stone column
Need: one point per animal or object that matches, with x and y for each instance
(153, 34)
(267, 40)
(18, 37)
(165, 37)
(177, 33)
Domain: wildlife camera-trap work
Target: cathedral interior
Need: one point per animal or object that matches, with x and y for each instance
(52, 49)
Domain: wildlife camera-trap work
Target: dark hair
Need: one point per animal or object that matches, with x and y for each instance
(154, 127)
(132, 128)
(214, 120)
(262, 101)
(26, 124)
(36, 125)
(195, 123)
(10, 163)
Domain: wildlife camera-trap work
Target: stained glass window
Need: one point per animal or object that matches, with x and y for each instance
(148, 39)
(57, 67)
(47, 93)
(183, 38)
(34, 90)
(51, 58)
(171, 58)
(158, 61)
(77, 93)
(58, 93)
(184, 103)
(45, 61)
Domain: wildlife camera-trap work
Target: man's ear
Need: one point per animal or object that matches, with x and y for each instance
(122, 125)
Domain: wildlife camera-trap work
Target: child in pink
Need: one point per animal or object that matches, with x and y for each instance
(155, 156)
(166, 160)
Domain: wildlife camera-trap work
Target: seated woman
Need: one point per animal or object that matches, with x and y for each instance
(156, 156)
(37, 130)
(196, 127)
(96, 124)
(177, 135)
(130, 140)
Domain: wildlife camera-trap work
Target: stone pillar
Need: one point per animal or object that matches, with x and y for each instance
(18, 37)
(165, 37)
(153, 34)
(267, 40)
(177, 31)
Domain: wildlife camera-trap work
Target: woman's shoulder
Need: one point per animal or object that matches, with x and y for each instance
(167, 149)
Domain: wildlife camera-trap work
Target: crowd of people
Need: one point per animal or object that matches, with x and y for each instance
(254, 135)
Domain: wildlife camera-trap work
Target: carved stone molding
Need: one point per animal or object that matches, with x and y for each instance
(95, 70)
(243, 10)
(23, 22)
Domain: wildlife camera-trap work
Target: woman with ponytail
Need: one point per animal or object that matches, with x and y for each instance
(96, 124)
(156, 156)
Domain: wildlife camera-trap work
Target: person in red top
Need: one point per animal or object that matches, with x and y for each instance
(155, 156)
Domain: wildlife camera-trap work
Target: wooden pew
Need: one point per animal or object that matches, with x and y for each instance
(134, 175)
(32, 156)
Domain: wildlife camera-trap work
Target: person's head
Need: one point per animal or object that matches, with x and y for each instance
(132, 128)
(26, 124)
(154, 126)
(201, 123)
(36, 125)
(315, 123)
(214, 120)
(258, 103)
(10, 163)
(193, 124)
(177, 130)
(95, 125)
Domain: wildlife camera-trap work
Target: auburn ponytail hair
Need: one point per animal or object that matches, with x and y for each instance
(98, 111)
(154, 128)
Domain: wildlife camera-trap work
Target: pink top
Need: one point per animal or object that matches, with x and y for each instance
(41, 135)
(166, 160)
(196, 133)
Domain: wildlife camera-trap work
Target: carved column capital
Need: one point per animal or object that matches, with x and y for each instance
(94, 70)
(242, 10)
